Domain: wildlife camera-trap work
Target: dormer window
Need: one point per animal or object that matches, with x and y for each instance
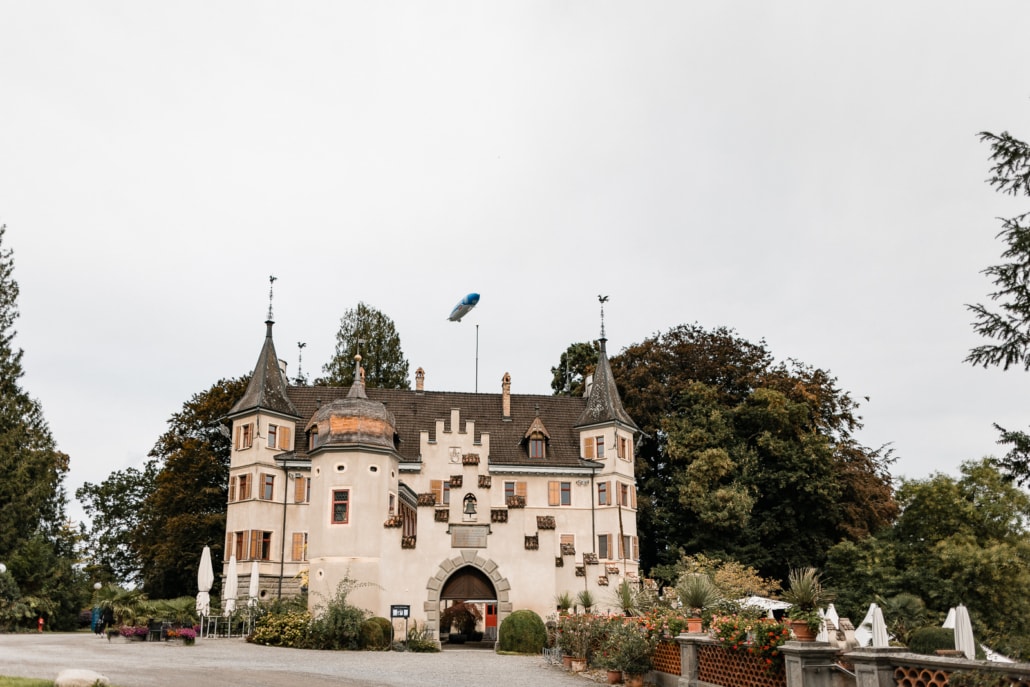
(535, 439)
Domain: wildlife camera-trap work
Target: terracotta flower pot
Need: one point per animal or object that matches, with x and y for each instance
(695, 625)
(579, 664)
(566, 662)
(634, 680)
(614, 677)
(801, 631)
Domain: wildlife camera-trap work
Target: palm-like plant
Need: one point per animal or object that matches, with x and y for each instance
(586, 600)
(181, 611)
(564, 601)
(626, 598)
(805, 594)
(697, 591)
(126, 605)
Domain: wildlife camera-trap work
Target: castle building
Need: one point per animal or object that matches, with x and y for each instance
(425, 498)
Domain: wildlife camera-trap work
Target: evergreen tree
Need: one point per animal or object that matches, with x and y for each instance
(33, 540)
(1008, 328)
(369, 332)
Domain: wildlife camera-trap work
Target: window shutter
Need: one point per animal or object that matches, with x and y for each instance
(232, 489)
(553, 493)
(298, 546)
(284, 438)
(436, 486)
(228, 545)
(299, 489)
(588, 447)
(622, 548)
(520, 489)
(633, 496)
(636, 549)
(255, 544)
(239, 436)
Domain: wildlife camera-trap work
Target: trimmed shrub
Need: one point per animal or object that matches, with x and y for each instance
(282, 629)
(522, 632)
(370, 635)
(927, 640)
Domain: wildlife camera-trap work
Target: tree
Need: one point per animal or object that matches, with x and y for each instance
(33, 540)
(575, 365)
(961, 540)
(114, 507)
(186, 510)
(1008, 328)
(368, 331)
(745, 458)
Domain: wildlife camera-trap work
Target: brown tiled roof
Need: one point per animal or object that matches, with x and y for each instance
(415, 411)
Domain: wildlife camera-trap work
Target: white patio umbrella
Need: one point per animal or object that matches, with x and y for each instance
(232, 583)
(964, 632)
(255, 581)
(864, 631)
(205, 578)
(824, 633)
(832, 616)
(879, 628)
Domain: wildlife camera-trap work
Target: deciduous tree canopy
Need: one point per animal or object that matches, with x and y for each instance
(957, 541)
(745, 458)
(186, 509)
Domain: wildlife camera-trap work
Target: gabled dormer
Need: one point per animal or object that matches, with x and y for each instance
(536, 439)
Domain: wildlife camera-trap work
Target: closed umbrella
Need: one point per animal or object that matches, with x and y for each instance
(832, 616)
(824, 633)
(255, 579)
(964, 632)
(205, 578)
(232, 584)
(879, 628)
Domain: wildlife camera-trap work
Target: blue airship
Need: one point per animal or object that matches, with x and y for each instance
(463, 307)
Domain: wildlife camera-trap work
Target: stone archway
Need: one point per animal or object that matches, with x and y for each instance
(467, 559)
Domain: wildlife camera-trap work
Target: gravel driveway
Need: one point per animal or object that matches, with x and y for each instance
(220, 662)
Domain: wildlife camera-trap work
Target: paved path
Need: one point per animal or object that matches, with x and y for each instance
(221, 662)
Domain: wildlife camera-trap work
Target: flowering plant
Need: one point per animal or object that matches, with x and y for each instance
(761, 637)
(134, 631)
(664, 623)
(629, 647)
(187, 633)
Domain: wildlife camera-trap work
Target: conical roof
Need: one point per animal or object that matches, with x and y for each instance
(267, 387)
(603, 403)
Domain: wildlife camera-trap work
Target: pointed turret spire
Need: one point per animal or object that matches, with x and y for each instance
(603, 403)
(267, 387)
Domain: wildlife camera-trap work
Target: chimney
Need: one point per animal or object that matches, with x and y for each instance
(506, 395)
(282, 367)
(420, 379)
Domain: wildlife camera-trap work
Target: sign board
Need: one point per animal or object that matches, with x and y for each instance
(397, 611)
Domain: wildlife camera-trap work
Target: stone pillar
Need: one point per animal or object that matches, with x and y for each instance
(688, 657)
(809, 664)
(874, 667)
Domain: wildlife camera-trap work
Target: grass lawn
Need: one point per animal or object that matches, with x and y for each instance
(24, 682)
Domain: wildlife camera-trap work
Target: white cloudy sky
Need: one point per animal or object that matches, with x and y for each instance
(804, 172)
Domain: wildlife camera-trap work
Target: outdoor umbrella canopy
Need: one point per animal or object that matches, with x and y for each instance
(832, 616)
(232, 583)
(879, 628)
(964, 632)
(205, 578)
(255, 579)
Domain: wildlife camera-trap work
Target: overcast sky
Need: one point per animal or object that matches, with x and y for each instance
(804, 172)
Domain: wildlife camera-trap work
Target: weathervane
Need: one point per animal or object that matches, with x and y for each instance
(300, 360)
(602, 300)
(271, 282)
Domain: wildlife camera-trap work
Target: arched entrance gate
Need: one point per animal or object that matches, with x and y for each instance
(472, 579)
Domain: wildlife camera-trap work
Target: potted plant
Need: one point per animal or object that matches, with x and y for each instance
(586, 600)
(805, 594)
(629, 648)
(625, 598)
(574, 634)
(564, 602)
(696, 592)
